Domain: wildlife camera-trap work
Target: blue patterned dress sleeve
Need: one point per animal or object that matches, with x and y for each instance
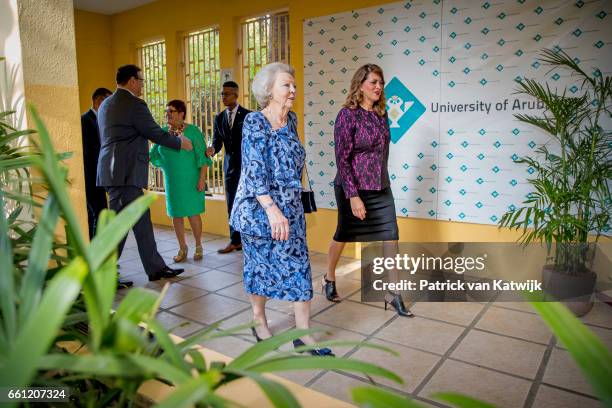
(254, 167)
(247, 214)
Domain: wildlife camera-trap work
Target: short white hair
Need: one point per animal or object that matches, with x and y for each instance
(264, 80)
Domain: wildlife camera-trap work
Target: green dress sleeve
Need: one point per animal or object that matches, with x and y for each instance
(155, 156)
(199, 147)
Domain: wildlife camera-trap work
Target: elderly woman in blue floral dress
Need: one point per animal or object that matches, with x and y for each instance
(268, 209)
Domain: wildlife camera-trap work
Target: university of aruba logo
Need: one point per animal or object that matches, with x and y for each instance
(403, 108)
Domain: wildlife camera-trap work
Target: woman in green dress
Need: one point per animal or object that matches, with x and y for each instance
(184, 177)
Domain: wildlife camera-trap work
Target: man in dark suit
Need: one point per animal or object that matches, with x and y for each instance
(126, 124)
(95, 196)
(228, 133)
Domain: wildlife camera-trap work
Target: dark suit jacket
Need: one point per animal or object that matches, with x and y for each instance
(126, 124)
(231, 139)
(91, 148)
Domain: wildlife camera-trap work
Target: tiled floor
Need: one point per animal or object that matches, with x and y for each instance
(499, 352)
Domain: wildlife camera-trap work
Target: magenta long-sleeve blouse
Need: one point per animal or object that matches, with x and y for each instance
(361, 141)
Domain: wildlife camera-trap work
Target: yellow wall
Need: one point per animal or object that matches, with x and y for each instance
(94, 55)
(47, 36)
(169, 19)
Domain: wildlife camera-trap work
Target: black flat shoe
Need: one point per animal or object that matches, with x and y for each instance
(329, 289)
(398, 305)
(166, 273)
(315, 352)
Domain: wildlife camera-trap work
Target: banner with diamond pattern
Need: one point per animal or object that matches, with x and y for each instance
(450, 68)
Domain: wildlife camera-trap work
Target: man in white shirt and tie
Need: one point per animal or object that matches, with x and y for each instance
(228, 134)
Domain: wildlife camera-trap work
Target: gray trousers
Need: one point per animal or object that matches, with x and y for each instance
(119, 198)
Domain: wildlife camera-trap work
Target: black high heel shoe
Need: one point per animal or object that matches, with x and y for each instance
(398, 304)
(329, 289)
(254, 332)
(315, 352)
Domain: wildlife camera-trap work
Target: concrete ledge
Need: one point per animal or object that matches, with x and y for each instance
(243, 391)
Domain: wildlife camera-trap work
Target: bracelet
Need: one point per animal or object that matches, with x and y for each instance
(266, 206)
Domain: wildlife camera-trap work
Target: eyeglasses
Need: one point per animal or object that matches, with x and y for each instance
(171, 110)
(139, 79)
(227, 93)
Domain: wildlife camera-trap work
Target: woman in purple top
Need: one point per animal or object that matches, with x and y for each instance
(366, 210)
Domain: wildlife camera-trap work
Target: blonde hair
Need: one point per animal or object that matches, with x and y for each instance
(355, 96)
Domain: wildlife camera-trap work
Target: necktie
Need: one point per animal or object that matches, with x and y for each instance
(231, 119)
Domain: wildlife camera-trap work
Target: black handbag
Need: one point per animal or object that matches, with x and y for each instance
(308, 196)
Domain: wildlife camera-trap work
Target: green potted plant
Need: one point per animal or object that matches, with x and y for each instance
(571, 206)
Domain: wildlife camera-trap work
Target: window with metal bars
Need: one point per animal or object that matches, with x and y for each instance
(264, 40)
(152, 61)
(202, 90)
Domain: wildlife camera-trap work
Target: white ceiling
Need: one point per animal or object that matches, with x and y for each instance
(109, 6)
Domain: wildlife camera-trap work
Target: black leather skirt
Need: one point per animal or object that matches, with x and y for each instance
(380, 223)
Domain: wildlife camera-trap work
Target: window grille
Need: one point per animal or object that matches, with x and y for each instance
(152, 61)
(264, 40)
(203, 92)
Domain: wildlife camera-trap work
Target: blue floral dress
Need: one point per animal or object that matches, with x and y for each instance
(272, 162)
